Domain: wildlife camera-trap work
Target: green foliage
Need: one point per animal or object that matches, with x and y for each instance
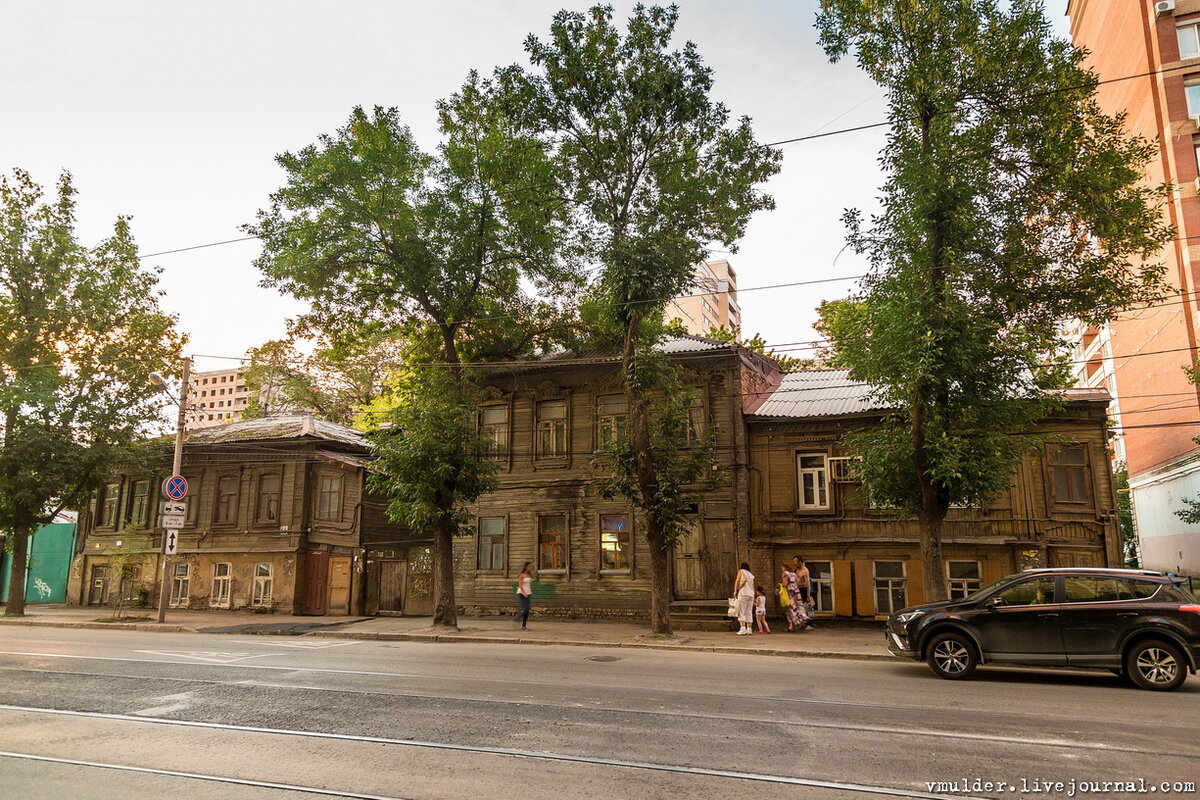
(131, 550)
(80, 333)
(656, 172)
(1012, 204)
(1129, 542)
(757, 344)
(1191, 513)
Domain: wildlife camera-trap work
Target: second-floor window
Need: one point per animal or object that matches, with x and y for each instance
(139, 503)
(227, 500)
(612, 413)
(329, 498)
(813, 480)
(493, 425)
(1068, 469)
(108, 505)
(268, 498)
(552, 429)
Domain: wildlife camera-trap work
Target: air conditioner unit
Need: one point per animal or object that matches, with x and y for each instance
(1195, 118)
(1197, 185)
(1164, 7)
(840, 469)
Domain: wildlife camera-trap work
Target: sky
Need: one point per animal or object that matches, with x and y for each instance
(172, 113)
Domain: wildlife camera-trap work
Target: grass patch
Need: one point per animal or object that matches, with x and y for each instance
(134, 618)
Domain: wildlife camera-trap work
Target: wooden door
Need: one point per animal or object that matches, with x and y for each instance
(418, 597)
(688, 578)
(99, 593)
(719, 559)
(316, 582)
(339, 585)
(391, 585)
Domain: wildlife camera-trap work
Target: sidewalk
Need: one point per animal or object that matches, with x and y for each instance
(832, 639)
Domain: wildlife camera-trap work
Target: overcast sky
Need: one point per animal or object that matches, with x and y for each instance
(173, 112)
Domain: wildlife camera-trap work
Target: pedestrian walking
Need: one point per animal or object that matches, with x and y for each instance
(743, 590)
(804, 580)
(760, 609)
(525, 592)
(797, 619)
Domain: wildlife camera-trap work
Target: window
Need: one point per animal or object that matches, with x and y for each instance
(1189, 41)
(493, 426)
(1036, 592)
(263, 585)
(552, 429)
(821, 575)
(615, 542)
(108, 509)
(227, 500)
(890, 591)
(1192, 93)
(964, 578)
(491, 543)
(268, 498)
(552, 543)
(139, 503)
(219, 596)
(696, 429)
(181, 582)
(329, 498)
(1068, 467)
(612, 415)
(1096, 590)
(1196, 149)
(814, 491)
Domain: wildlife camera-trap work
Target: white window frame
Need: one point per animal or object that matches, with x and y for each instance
(839, 468)
(818, 583)
(181, 585)
(1189, 86)
(1191, 26)
(264, 585)
(218, 596)
(961, 588)
(889, 583)
(820, 475)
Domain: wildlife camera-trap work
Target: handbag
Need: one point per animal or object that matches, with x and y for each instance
(732, 610)
(784, 599)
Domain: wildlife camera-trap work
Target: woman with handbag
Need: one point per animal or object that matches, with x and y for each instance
(789, 583)
(743, 590)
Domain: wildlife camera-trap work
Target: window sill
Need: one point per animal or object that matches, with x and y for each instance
(552, 573)
(627, 573)
(552, 464)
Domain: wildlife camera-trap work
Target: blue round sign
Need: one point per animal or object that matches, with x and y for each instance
(175, 487)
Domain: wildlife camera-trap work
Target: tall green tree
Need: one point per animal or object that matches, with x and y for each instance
(655, 172)
(80, 333)
(1012, 203)
(381, 237)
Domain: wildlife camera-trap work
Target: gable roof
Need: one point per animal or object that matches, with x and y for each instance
(295, 426)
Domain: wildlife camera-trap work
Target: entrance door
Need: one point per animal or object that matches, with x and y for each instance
(418, 597)
(316, 582)
(391, 585)
(99, 593)
(689, 583)
(339, 585)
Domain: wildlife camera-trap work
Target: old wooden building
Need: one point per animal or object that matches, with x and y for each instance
(278, 514)
(547, 420)
(865, 561)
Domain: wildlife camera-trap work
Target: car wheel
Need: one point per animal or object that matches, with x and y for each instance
(1155, 665)
(952, 656)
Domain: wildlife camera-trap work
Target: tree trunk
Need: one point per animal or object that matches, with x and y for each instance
(20, 562)
(445, 612)
(660, 587)
(933, 511)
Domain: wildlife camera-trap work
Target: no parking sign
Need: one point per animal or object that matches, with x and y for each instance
(175, 487)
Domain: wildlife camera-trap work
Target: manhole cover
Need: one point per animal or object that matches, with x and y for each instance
(603, 658)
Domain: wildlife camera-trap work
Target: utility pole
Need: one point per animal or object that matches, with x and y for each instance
(176, 469)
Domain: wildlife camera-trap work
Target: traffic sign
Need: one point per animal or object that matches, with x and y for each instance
(173, 507)
(175, 487)
(172, 521)
(171, 542)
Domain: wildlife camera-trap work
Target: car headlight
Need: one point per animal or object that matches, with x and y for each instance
(907, 617)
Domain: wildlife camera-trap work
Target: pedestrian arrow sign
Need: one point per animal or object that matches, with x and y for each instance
(171, 542)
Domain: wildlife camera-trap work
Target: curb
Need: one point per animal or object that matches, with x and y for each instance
(442, 638)
(102, 626)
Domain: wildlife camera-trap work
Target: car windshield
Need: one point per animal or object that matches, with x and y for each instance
(978, 594)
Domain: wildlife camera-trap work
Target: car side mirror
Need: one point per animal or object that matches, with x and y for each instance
(994, 602)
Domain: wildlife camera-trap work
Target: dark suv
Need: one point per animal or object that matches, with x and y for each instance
(1139, 624)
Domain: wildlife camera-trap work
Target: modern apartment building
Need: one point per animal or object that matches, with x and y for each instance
(711, 300)
(1147, 56)
(216, 397)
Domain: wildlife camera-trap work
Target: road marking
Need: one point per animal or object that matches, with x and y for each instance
(498, 751)
(210, 656)
(197, 776)
(216, 664)
(306, 644)
(180, 702)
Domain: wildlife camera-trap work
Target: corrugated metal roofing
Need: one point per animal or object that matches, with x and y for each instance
(819, 393)
(296, 426)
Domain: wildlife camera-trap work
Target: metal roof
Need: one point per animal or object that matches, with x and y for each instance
(819, 393)
(297, 426)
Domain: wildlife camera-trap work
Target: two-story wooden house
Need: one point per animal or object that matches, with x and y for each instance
(547, 420)
(865, 561)
(278, 513)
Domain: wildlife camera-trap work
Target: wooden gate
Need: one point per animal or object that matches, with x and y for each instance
(418, 596)
(391, 585)
(688, 578)
(316, 582)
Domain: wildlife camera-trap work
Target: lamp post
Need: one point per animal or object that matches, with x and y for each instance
(176, 468)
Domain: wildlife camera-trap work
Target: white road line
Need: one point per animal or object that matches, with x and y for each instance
(207, 656)
(198, 776)
(217, 664)
(503, 751)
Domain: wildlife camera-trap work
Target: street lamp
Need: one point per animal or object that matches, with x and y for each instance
(176, 468)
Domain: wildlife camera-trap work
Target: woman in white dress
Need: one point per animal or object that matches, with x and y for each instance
(743, 590)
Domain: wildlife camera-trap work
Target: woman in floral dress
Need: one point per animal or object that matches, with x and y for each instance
(796, 616)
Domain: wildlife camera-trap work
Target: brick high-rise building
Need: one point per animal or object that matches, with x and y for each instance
(1147, 56)
(216, 397)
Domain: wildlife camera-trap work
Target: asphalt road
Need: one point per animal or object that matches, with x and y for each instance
(104, 714)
